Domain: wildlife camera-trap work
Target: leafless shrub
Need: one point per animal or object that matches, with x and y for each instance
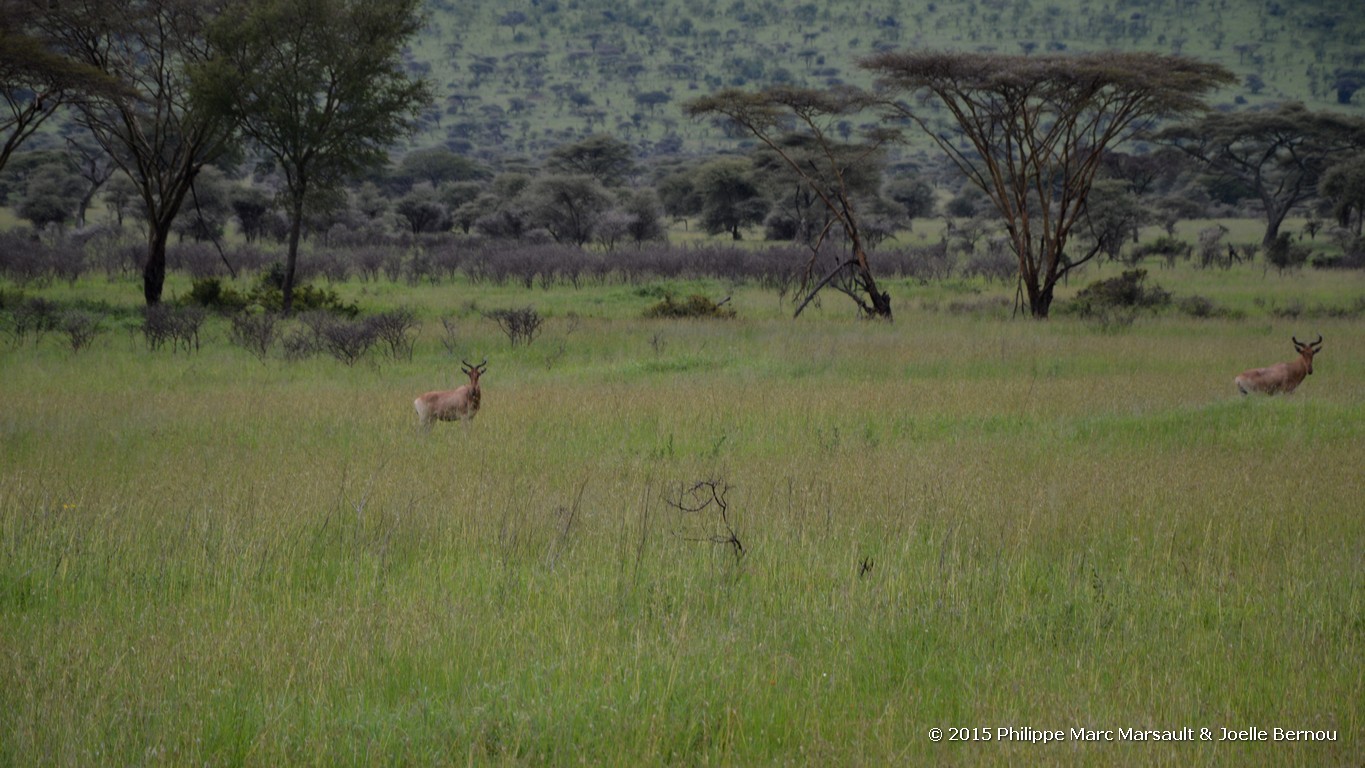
(522, 326)
(315, 321)
(445, 260)
(395, 328)
(121, 260)
(924, 264)
(200, 260)
(250, 257)
(986, 306)
(80, 328)
(347, 340)
(178, 326)
(67, 261)
(392, 265)
(335, 268)
(996, 263)
(24, 259)
(255, 332)
(420, 266)
(369, 261)
(299, 345)
(451, 338)
(34, 316)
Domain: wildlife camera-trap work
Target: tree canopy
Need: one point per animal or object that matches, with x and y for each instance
(1031, 131)
(1280, 155)
(799, 126)
(605, 158)
(316, 85)
(36, 77)
(156, 136)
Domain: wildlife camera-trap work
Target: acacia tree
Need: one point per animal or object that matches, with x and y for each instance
(1343, 188)
(36, 79)
(1031, 132)
(148, 126)
(1280, 155)
(833, 170)
(568, 207)
(728, 198)
(606, 159)
(316, 85)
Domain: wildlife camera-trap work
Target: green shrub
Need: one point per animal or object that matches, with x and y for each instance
(307, 298)
(267, 294)
(1127, 291)
(695, 305)
(1285, 254)
(1204, 308)
(212, 294)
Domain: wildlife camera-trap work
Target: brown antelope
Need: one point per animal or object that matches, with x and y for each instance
(452, 404)
(1281, 377)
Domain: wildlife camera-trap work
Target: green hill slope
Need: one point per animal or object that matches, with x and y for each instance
(516, 79)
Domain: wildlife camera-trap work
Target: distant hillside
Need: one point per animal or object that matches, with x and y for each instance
(514, 79)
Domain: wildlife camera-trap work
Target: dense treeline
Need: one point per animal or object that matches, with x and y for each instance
(598, 207)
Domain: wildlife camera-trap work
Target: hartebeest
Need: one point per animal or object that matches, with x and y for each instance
(1281, 377)
(452, 404)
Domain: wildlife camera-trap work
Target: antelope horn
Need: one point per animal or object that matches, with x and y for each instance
(1318, 343)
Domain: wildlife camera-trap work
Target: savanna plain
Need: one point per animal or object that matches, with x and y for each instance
(750, 541)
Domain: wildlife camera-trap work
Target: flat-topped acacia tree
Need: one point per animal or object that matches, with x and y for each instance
(1031, 131)
(1280, 155)
(799, 126)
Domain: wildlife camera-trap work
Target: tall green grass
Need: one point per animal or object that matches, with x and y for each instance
(947, 522)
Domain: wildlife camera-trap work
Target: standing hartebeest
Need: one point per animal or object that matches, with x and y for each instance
(452, 404)
(1281, 377)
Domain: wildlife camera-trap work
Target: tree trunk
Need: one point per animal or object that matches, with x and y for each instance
(881, 300)
(291, 262)
(154, 271)
(1272, 230)
(1042, 304)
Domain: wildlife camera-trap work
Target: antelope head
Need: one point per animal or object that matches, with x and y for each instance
(474, 372)
(1306, 351)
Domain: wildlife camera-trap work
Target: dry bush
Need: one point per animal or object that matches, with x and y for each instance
(347, 340)
(395, 328)
(35, 317)
(80, 327)
(178, 326)
(255, 332)
(522, 326)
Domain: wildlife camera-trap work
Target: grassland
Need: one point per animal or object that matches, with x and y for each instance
(952, 521)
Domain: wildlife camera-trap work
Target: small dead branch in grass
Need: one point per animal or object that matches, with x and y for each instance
(709, 495)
